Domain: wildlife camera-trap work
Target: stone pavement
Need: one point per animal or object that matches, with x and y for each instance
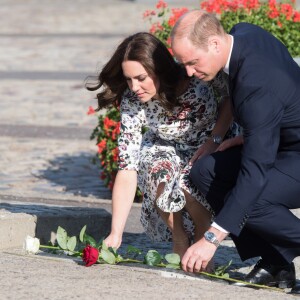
(47, 178)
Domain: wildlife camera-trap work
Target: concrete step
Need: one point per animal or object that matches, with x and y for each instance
(41, 220)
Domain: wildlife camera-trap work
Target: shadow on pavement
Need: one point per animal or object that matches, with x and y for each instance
(223, 255)
(76, 174)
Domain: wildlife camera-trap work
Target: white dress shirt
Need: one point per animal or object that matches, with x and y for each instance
(226, 70)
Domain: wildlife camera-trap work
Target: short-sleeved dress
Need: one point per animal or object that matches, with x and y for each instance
(163, 152)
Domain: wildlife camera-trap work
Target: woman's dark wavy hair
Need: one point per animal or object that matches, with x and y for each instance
(152, 54)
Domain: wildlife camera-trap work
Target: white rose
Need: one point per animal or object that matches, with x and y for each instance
(31, 245)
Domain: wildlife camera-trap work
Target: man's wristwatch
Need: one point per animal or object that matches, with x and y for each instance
(210, 237)
(217, 139)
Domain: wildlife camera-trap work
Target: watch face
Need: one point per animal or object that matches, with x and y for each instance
(217, 139)
(209, 235)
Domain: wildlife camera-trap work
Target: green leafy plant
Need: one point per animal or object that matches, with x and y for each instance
(106, 134)
(279, 18)
(162, 20)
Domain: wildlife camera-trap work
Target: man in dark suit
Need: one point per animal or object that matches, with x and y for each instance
(250, 187)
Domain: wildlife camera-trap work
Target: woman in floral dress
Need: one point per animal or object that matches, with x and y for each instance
(181, 115)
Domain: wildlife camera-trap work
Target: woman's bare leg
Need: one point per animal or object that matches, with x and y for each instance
(201, 218)
(181, 241)
(175, 224)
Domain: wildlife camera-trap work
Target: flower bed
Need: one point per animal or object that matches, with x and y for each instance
(106, 133)
(280, 19)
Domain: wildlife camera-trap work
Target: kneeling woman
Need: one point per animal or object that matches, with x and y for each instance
(181, 115)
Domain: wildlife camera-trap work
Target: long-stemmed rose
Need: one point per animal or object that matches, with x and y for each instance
(90, 255)
(93, 253)
(31, 245)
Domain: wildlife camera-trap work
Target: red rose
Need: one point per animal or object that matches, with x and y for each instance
(90, 255)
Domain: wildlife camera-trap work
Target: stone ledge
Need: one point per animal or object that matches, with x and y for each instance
(19, 220)
(14, 228)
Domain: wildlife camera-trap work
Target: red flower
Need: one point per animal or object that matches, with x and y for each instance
(274, 13)
(297, 16)
(212, 6)
(110, 185)
(115, 132)
(102, 176)
(91, 111)
(161, 4)
(168, 41)
(156, 27)
(177, 13)
(101, 146)
(90, 255)
(252, 4)
(115, 153)
(287, 10)
(272, 3)
(148, 13)
(109, 123)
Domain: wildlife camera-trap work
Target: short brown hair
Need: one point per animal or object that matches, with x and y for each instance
(197, 26)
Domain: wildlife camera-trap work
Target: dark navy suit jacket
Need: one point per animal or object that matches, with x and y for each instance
(264, 85)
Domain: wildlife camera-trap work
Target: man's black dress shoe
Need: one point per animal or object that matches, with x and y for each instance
(295, 290)
(270, 275)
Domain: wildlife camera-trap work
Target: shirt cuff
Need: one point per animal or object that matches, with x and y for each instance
(215, 225)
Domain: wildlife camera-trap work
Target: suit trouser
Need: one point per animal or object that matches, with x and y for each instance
(272, 230)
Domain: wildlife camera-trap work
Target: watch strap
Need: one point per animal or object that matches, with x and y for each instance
(210, 237)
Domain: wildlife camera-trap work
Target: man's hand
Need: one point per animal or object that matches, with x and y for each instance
(235, 141)
(207, 148)
(199, 254)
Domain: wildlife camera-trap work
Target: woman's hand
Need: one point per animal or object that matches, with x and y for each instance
(113, 240)
(236, 141)
(207, 148)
